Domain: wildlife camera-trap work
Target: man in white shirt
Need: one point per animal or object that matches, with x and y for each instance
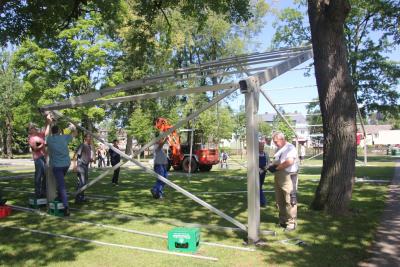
(285, 168)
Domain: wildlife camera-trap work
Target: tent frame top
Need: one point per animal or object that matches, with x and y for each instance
(241, 64)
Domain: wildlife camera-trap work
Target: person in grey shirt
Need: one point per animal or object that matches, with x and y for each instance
(83, 157)
(160, 163)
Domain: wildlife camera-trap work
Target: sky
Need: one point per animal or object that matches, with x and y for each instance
(292, 86)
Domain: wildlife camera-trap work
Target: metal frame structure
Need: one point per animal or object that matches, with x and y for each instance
(272, 64)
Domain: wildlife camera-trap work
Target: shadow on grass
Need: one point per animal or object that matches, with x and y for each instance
(24, 248)
(331, 241)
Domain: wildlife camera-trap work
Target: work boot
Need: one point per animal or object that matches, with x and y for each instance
(66, 212)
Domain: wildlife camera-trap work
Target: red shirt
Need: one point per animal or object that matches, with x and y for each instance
(35, 141)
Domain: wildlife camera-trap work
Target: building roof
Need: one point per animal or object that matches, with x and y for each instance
(298, 118)
(374, 129)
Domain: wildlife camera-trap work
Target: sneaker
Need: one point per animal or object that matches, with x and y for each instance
(154, 193)
(290, 227)
(66, 212)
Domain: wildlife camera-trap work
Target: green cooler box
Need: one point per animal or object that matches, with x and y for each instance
(56, 208)
(184, 239)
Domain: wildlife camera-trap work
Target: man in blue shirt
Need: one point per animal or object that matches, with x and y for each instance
(57, 145)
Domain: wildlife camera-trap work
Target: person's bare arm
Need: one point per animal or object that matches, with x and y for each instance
(285, 164)
(74, 131)
(49, 119)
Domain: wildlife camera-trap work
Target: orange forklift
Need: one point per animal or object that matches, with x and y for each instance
(179, 150)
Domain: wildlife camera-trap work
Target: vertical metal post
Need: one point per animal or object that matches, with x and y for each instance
(51, 185)
(251, 89)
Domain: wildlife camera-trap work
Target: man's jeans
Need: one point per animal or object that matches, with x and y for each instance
(59, 174)
(40, 177)
(83, 177)
(159, 186)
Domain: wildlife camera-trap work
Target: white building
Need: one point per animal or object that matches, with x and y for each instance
(381, 135)
(297, 120)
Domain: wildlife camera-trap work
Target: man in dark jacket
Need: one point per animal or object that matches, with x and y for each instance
(115, 159)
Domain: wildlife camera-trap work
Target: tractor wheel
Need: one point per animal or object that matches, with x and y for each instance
(205, 168)
(177, 167)
(185, 165)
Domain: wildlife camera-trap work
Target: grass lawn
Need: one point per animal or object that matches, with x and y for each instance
(328, 241)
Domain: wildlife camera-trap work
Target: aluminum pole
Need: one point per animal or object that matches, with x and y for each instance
(253, 182)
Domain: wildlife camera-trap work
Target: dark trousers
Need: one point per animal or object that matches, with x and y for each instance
(263, 200)
(116, 173)
(40, 177)
(159, 185)
(83, 177)
(59, 174)
(102, 162)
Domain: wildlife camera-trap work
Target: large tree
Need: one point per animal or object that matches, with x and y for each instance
(337, 103)
(371, 33)
(10, 96)
(350, 39)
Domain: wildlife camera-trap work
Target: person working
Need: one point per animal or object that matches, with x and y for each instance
(60, 161)
(82, 159)
(115, 159)
(101, 155)
(160, 163)
(302, 153)
(224, 159)
(285, 168)
(262, 163)
(36, 140)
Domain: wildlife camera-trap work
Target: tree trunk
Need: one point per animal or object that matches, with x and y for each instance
(2, 144)
(337, 103)
(9, 136)
(129, 138)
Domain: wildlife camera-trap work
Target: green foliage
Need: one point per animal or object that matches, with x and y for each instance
(21, 20)
(141, 126)
(10, 85)
(265, 129)
(281, 126)
(198, 9)
(10, 98)
(112, 133)
(75, 63)
(371, 33)
(216, 125)
(239, 129)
